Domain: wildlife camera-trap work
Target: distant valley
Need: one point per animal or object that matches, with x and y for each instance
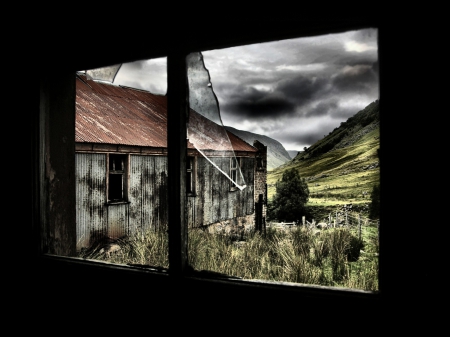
(341, 168)
(276, 153)
(293, 153)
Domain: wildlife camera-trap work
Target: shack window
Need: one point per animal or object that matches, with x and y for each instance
(190, 176)
(117, 183)
(234, 169)
(259, 163)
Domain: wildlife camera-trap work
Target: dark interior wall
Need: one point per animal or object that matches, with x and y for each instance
(57, 169)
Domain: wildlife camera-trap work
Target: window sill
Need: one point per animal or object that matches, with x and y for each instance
(193, 287)
(78, 262)
(205, 276)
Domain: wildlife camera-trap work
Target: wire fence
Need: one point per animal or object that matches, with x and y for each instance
(340, 218)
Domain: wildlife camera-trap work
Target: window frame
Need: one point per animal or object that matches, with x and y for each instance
(124, 175)
(234, 172)
(191, 173)
(177, 112)
(260, 164)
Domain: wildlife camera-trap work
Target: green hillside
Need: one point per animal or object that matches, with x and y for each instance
(341, 168)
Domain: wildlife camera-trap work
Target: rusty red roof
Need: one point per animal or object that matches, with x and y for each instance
(110, 114)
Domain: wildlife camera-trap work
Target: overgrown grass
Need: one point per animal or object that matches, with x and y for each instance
(149, 248)
(334, 257)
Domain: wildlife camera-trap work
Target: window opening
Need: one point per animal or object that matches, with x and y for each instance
(190, 176)
(259, 163)
(304, 201)
(121, 170)
(217, 211)
(117, 178)
(234, 171)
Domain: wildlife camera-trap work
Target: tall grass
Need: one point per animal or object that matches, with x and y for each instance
(147, 248)
(334, 257)
(303, 255)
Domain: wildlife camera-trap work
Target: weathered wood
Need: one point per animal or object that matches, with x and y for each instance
(96, 148)
(258, 214)
(177, 110)
(57, 163)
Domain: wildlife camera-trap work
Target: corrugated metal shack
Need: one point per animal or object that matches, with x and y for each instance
(121, 166)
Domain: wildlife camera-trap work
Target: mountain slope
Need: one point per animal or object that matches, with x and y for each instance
(343, 167)
(347, 133)
(276, 153)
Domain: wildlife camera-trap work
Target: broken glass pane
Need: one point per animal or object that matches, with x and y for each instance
(104, 74)
(205, 129)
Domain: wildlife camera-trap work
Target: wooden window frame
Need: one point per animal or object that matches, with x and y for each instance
(51, 213)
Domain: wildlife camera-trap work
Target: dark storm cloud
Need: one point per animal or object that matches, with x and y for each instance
(302, 89)
(255, 104)
(295, 91)
(353, 79)
(323, 108)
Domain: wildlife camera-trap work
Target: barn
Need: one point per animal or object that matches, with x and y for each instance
(121, 167)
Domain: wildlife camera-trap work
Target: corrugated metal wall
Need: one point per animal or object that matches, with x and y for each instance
(91, 217)
(147, 196)
(214, 201)
(118, 220)
(148, 192)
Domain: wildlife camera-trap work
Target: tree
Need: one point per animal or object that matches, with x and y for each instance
(292, 194)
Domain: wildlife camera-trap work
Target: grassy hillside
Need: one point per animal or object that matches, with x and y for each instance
(342, 168)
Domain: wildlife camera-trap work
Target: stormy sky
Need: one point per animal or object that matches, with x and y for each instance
(295, 91)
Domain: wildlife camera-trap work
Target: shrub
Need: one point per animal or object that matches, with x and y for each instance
(292, 194)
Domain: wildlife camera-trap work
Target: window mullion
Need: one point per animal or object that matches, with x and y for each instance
(177, 108)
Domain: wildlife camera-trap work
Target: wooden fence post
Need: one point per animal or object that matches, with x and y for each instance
(258, 211)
